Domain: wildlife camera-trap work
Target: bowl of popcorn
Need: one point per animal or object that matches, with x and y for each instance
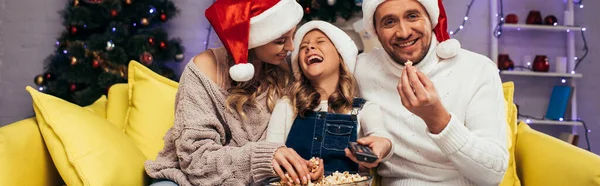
(337, 178)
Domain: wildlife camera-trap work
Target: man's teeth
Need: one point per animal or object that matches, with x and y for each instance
(407, 43)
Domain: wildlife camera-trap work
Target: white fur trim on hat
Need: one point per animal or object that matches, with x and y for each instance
(274, 22)
(343, 43)
(241, 72)
(369, 7)
(448, 49)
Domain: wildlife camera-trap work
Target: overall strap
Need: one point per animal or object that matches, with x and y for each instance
(357, 104)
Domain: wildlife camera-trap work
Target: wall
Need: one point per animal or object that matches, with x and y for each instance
(23, 48)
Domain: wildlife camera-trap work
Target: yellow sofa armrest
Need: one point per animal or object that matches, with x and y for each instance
(543, 160)
(24, 157)
(118, 103)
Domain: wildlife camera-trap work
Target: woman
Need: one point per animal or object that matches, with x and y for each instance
(322, 114)
(225, 97)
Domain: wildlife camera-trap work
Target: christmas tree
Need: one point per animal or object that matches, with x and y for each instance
(100, 38)
(329, 10)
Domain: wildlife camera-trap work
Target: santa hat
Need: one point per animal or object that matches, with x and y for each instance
(245, 24)
(343, 43)
(447, 48)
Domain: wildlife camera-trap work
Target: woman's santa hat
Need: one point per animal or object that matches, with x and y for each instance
(343, 43)
(447, 48)
(245, 24)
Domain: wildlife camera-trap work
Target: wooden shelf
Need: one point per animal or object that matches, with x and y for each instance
(550, 122)
(519, 27)
(541, 74)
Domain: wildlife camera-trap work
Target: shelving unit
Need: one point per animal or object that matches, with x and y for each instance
(569, 30)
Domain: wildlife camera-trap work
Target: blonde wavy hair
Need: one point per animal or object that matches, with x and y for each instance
(272, 79)
(305, 97)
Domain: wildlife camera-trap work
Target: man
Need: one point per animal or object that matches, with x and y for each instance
(446, 111)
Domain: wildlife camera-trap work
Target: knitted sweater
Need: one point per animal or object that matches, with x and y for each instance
(471, 150)
(208, 145)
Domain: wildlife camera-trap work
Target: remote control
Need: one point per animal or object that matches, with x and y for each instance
(362, 153)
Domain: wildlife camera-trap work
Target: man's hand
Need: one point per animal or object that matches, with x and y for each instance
(419, 96)
(380, 146)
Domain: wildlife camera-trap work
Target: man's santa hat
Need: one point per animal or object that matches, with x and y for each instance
(447, 48)
(343, 43)
(245, 24)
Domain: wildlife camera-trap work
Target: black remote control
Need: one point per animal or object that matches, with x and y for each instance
(362, 153)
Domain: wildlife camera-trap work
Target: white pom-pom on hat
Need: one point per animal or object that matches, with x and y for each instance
(241, 72)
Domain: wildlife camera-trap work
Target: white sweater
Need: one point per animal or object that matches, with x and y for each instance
(471, 150)
(369, 121)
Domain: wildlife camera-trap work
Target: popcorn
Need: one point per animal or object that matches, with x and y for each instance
(408, 63)
(334, 179)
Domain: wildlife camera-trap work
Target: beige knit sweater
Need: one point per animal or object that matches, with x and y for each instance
(208, 145)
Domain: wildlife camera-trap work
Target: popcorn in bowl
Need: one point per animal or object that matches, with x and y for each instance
(337, 178)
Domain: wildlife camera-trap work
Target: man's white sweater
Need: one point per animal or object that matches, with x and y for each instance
(471, 150)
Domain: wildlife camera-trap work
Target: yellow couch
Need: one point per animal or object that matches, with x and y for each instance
(540, 159)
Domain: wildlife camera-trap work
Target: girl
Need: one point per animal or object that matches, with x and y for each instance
(225, 97)
(321, 114)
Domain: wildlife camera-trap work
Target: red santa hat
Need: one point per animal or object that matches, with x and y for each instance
(245, 24)
(447, 48)
(343, 43)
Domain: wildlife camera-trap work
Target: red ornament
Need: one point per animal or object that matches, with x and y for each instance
(307, 10)
(73, 30)
(114, 13)
(48, 76)
(151, 41)
(540, 64)
(95, 64)
(162, 45)
(146, 58)
(534, 17)
(505, 63)
(73, 87)
(512, 19)
(163, 17)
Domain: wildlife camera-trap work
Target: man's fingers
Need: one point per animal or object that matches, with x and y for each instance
(424, 80)
(417, 86)
(407, 89)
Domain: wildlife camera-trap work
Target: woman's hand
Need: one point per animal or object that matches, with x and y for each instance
(290, 167)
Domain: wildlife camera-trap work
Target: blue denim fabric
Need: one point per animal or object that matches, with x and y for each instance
(325, 135)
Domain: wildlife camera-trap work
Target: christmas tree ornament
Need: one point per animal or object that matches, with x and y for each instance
(307, 10)
(162, 45)
(151, 41)
(128, 2)
(73, 60)
(48, 76)
(76, 3)
(331, 2)
(95, 63)
(179, 57)
(551, 20)
(73, 87)
(146, 58)
(39, 80)
(145, 21)
(110, 45)
(73, 30)
(106, 69)
(114, 13)
(163, 17)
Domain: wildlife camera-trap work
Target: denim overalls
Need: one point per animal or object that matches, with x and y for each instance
(326, 135)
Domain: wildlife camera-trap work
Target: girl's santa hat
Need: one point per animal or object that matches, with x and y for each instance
(343, 43)
(245, 24)
(447, 48)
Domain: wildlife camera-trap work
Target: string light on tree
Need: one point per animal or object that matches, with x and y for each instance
(145, 21)
(163, 17)
(114, 13)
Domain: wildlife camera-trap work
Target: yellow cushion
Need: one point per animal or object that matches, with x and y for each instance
(510, 177)
(116, 108)
(547, 161)
(98, 107)
(23, 156)
(86, 148)
(151, 108)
